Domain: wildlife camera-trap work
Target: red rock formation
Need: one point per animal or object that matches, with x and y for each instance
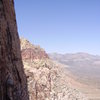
(31, 52)
(12, 78)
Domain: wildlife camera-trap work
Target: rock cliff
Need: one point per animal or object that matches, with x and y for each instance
(46, 79)
(13, 84)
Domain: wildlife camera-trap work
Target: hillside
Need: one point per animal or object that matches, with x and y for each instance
(47, 80)
(86, 68)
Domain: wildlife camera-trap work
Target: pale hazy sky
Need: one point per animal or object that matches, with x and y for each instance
(60, 25)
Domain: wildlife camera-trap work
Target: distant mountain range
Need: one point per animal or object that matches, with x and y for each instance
(83, 63)
(79, 59)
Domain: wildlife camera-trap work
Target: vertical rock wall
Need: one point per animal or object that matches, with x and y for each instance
(13, 83)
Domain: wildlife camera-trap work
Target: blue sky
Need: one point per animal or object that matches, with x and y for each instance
(63, 26)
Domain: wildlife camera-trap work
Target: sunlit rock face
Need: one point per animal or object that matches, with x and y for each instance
(31, 52)
(13, 84)
(46, 79)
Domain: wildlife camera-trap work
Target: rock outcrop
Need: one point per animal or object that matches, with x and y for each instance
(46, 79)
(13, 83)
(31, 52)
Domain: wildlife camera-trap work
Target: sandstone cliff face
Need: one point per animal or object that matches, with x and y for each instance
(12, 78)
(47, 80)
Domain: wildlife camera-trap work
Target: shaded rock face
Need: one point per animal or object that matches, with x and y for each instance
(13, 84)
(46, 79)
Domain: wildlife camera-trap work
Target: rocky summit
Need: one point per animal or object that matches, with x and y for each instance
(46, 79)
(31, 52)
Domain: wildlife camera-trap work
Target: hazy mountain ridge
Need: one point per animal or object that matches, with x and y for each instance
(47, 79)
(74, 57)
